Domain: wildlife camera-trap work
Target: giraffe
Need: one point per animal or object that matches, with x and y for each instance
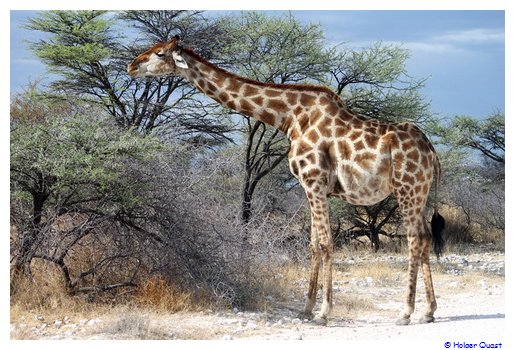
(333, 152)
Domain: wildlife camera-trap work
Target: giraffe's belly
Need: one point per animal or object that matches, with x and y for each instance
(360, 188)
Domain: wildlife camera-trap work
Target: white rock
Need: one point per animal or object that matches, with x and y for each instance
(482, 283)
(251, 325)
(92, 322)
(296, 321)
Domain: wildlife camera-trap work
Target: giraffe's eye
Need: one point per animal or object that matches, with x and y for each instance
(160, 54)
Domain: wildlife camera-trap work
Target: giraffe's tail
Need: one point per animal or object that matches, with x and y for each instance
(437, 221)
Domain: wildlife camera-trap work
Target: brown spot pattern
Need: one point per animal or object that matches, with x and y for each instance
(272, 93)
(291, 98)
(312, 135)
(258, 100)
(250, 90)
(307, 100)
(278, 105)
(365, 159)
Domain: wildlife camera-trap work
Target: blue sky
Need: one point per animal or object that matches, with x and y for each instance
(461, 52)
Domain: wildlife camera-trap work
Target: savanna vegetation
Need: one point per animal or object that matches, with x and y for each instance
(143, 190)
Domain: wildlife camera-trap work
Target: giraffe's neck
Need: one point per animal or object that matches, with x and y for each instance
(251, 98)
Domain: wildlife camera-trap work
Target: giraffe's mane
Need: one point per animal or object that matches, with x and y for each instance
(295, 87)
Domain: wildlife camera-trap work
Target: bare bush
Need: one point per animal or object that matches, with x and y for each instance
(207, 247)
(477, 197)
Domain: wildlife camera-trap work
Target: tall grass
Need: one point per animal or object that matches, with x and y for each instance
(461, 231)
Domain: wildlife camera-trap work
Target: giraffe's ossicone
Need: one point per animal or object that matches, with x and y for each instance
(334, 152)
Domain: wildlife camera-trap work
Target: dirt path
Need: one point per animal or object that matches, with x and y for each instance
(471, 309)
(471, 317)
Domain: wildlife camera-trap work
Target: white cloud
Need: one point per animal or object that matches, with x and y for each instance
(427, 46)
(473, 36)
(432, 47)
(456, 42)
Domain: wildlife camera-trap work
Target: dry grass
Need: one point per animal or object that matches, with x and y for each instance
(459, 230)
(45, 294)
(385, 273)
(133, 323)
(273, 284)
(352, 306)
(156, 293)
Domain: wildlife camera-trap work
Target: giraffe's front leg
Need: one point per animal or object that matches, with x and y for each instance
(315, 267)
(326, 250)
(321, 251)
(313, 278)
(327, 288)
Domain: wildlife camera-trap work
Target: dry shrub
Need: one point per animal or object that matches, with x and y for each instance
(158, 294)
(43, 294)
(457, 226)
(462, 229)
(104, 258)
(44, 291)
(134, 325)
(349, 305)
(379, 271)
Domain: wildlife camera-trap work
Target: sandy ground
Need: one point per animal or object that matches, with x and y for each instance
(471, 310)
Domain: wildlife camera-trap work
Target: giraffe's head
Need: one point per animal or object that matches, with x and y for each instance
(160, 59)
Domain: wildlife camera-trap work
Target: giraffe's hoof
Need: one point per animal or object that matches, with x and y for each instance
(319, 321)
(402, 321)
(427, 319)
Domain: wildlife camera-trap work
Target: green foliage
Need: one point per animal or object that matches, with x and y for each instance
(379, 64)
(78, 38)
(85, 50)
(275, 49)
(484, 135)
(80, 160)
(374, 82)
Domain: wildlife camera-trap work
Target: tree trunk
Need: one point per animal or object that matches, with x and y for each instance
(246, 205)
(29, 237)
(375, 243)
(265, 151)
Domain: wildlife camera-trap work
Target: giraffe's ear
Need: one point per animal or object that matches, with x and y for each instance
(179, 61)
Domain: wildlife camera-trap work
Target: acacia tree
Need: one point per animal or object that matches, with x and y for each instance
(486, 135)
(85, 49)
(374, 82)
(475, 180)
(70, 173)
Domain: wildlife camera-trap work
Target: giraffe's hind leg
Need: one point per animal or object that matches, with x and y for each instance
(413, 264)
(428, 282)
(419, 246)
